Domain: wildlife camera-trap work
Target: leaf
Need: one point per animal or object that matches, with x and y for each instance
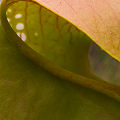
(29, 92)
(99, 19)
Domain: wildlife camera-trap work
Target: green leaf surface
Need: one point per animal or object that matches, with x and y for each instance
(29, 92)
(51, 36)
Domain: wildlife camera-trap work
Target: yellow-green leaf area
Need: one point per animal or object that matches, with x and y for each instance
(33, 86)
